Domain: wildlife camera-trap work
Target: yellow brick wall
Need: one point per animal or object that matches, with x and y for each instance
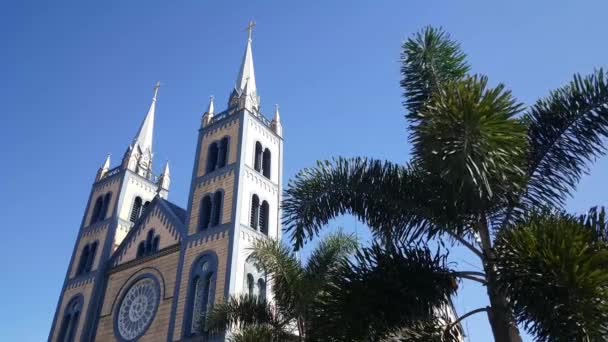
(85, 290)
(90, 235)
(231, 129)
(217, 243)
(110, 186)
(224, 181)
(161, 225)
(164, 269)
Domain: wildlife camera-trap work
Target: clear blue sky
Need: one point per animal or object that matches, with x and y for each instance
(76, 79)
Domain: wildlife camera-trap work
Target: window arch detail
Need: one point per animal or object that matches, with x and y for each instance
(136, 209)
(266, 159)
(255, 280)
(70, 319)
(255, 212)
(201, 292)
(87, 257)
(149, 245)
(217, 154)
(100, 209)
(211, 210)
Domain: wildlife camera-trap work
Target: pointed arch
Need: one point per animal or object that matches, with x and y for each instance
(217, 208)
(200, 293)
(255, 212)
(212, 154)
(97, 209)
(141, 249)
(250, 284)
(264, 215)
(136, 209)
(91, 257)
(223, 152)
(266, 159)
(257, 159)
(84, 257)
(71, 316)
(104, 208)
(205, 213)
(261, 289)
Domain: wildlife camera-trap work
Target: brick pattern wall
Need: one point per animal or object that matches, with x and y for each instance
(224, 181)
(230, 129)
(164, 268)
(113, 186)
(88, 235)
(217, 243)
(83, 288)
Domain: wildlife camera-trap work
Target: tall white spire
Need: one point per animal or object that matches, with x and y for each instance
(246, 78)
(143, 139)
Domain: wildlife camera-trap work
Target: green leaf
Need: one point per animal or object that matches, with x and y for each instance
(429, 58)
(566, 133)
(554, 269)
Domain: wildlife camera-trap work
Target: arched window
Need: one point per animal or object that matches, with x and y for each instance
(69, 324)
(250, 284)
(149, 245)
(212, 157)
(97, 209)
(257, 159)
(266, 163)
(155, 243)
(255, 212)
(136, 210)
(202, 290)
(84, 258)
(145, 206)
(262, 289)
(223, 152)
(141, 249)
(217, 208)
(149, 241)
(264, 214)
(91, 257)
(104, 209)
(205, 214)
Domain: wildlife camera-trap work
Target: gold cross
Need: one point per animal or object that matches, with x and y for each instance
(249, 28)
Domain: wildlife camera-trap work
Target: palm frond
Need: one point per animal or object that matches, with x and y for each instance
(554, 269)
(429, 58)
(566, 132)
(240, 311)
(381, 291)
(328, 254)
(283, 268)
(386, 196)
(472, 145)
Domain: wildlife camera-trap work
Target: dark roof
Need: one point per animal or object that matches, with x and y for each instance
(179, 212)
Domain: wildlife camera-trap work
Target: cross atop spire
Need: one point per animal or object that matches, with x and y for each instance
(143, 139)
(156, 87)
(245, 82)
(249, 29)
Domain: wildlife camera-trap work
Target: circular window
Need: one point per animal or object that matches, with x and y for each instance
(137, 308)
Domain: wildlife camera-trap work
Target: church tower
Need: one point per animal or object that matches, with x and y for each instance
(144, 269)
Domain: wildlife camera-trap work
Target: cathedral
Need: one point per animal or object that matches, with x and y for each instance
(145, 269)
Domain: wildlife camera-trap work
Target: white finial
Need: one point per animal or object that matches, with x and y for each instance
(166, 170)
(277, 117)
(210, 108)
(106, 164)
(249, 29)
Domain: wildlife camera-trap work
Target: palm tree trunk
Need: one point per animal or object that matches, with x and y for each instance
(499, 315)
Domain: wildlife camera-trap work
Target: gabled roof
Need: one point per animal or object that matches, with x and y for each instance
(176, 219)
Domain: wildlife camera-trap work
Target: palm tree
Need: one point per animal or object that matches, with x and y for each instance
(481, 164)
(296, 287)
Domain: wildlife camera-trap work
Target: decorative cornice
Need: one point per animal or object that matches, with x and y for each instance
(260, 180)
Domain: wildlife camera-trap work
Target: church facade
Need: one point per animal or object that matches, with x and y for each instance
(144, 269)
